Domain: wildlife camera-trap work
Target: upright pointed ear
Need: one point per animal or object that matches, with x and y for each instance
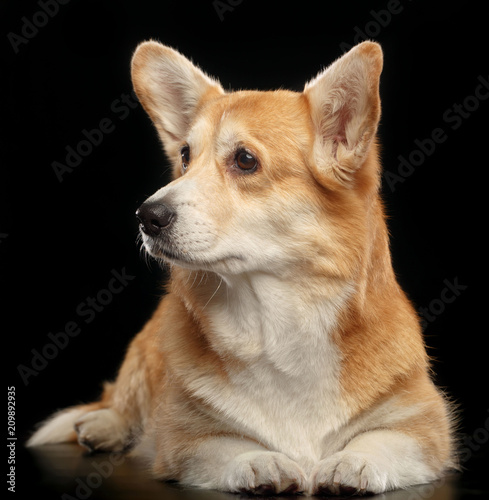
(171, 89)
(345, 109)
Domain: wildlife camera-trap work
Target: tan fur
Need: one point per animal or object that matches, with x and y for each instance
(313, 221)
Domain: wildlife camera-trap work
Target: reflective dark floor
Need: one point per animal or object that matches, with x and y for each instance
(67, 472)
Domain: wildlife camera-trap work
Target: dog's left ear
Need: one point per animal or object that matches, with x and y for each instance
(171, 89)
(345, 109)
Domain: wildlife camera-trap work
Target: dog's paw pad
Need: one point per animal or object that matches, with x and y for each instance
(102, 430)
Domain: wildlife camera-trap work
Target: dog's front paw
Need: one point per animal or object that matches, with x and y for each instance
(264, 473)
(350, 473)
(102, 430)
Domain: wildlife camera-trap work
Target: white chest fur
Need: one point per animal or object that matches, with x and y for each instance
(287, 396)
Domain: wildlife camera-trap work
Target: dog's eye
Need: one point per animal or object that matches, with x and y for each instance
(246, 161)
(185, 155)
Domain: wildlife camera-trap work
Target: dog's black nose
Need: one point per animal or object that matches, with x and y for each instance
(154, 217)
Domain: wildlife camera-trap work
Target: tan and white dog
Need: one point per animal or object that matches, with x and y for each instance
(285, 357)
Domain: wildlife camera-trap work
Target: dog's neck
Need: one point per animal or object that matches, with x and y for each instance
(256, 316)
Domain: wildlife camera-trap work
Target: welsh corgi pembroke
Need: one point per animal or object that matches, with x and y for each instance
(284, 358)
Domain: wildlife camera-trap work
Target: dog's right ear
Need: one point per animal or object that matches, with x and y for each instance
(171, 89)
(345, 109)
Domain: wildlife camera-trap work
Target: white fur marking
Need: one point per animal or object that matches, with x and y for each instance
(288, 397)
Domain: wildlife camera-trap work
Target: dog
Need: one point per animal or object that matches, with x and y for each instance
(284, 357)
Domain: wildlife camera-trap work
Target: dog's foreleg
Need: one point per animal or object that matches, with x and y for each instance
(240, 465)
(373, 462)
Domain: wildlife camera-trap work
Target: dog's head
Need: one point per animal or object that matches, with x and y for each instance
(262, 180)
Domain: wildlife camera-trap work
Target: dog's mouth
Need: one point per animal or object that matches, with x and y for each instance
(170, 253)
(164, 250)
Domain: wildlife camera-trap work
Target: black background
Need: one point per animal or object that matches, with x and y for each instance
(60, 241)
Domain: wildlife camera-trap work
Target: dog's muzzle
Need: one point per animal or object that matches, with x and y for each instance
(154, 218)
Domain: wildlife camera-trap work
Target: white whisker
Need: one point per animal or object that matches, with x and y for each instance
(212, 296)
